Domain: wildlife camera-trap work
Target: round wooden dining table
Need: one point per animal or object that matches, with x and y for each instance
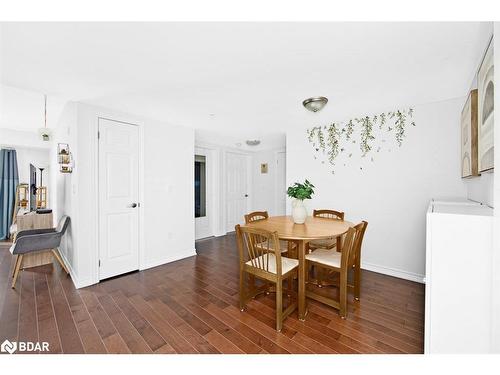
(314, 228)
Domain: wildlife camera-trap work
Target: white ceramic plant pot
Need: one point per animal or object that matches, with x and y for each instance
(299, 212)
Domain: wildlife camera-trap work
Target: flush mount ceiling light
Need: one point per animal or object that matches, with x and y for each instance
(254, 142)
(315, 104)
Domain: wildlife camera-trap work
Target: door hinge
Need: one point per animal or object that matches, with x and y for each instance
(98, 134)
(99, 263)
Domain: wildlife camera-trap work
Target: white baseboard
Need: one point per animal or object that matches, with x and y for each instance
(393, 272)
(158, 262)
(77, 282)
(82, 283)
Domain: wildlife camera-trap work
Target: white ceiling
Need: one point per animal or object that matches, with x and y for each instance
(251, 76)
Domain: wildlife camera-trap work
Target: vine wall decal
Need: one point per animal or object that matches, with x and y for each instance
(330, 140)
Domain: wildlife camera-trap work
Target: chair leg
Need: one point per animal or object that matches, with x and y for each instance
(289, 285)
(19, 262)
(343, 294)
(15, 266)
(320, 276)
(251, 283)
(242, 290)
(279, 305)
(357, 282)
(59, 259)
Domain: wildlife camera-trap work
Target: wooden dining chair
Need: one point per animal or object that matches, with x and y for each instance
(341, 262)
(265, 263)
(285, 246)
(328, 243)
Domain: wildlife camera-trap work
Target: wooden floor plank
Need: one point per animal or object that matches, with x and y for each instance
(112, 340)
(28, 320)
(191, 306)
(222, 344)
(70, 339)
(185, 330)
(148, 333)
(132, 338)
(47, 325)
(6, 263)
(151, 310)
(91, 340)
(235, 337)
(9, 315)
(280, 339)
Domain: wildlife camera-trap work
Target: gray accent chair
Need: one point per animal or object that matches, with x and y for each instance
(29, 241)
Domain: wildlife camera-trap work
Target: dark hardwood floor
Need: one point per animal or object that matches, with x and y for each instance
(190, 306)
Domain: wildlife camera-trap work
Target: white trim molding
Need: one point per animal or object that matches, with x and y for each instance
(79, 283)
(393, 272)
(161, 261)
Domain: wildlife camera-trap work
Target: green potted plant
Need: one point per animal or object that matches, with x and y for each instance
(299, 192)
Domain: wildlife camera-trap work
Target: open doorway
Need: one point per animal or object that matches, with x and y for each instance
(202, 193)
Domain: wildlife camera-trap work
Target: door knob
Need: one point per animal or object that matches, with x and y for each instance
(246, 195)
(133, 205)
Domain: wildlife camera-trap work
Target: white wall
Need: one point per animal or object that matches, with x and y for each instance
(37, 157)
(392, 192)
(480, 189)
(262, 187)
(23, 110)
(30, 149)
(265, 185)
(167, 206)
(63, 195)
(168, 193)
(22, 138)
(495, 256)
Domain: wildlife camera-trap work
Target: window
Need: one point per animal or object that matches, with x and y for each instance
(200, 186)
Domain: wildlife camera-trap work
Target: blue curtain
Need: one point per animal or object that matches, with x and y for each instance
(9, 179)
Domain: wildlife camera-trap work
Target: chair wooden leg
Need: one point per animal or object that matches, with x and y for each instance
(343, 294)
(279, 305)
(242, 290)
(320, 276)
(19, 263)
(289, 285)
(357, 282)
(251, 283)
(55, 252)
(15, 266)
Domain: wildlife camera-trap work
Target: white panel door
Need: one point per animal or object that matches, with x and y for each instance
(118, 198)
(236, 189)
(281, 183)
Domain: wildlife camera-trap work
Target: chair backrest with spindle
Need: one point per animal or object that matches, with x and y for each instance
(258, 256)
(329, 214)
(255, 216)
(355, 255)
